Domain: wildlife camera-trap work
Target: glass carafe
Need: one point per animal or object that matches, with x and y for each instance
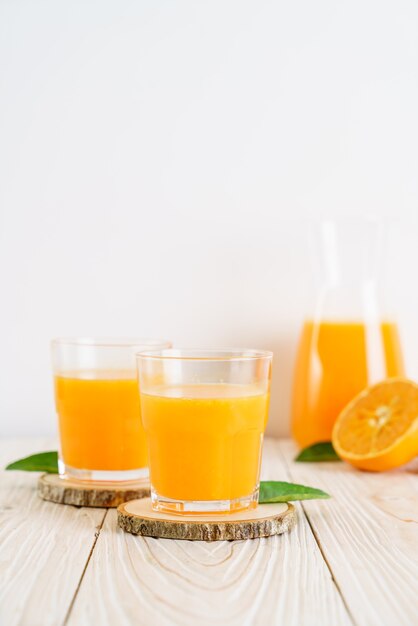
(348, 343)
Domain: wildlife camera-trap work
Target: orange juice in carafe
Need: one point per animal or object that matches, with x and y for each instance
(347, 343)
(332, 366)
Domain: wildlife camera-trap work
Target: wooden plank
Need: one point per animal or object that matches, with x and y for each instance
(44, 547)
(142, 581)
(368, 533)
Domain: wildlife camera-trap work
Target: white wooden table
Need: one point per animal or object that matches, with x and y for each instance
(351, 560)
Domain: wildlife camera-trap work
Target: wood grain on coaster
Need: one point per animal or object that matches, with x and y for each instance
(53, 488)
(138, 518)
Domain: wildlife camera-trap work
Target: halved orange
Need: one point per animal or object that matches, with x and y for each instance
(378, 429)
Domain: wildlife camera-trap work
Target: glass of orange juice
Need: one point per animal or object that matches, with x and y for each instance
(204, 415)
(350, 340)
(97, 401)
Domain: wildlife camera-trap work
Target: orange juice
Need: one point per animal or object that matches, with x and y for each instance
(204, 441)
(332, 366)
(99, 420)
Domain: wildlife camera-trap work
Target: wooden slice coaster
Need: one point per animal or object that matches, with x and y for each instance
(138, 518)
(53, 488)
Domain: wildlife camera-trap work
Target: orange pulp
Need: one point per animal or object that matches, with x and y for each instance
(378, 429)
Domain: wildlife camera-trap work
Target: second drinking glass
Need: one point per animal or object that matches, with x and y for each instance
(204, 415)
(97, 400)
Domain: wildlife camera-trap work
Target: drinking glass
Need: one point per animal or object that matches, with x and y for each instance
(349, 341)
(97, 401)
(204, 415)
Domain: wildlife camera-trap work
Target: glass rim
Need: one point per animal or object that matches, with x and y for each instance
(221, 354)
(111, 342)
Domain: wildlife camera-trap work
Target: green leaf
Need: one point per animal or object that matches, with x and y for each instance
(277, 491)
(42, 462)
(318, 453)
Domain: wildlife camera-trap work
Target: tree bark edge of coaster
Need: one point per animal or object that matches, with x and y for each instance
(137, 518)
(53, 488)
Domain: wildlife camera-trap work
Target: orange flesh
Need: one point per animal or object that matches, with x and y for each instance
(378, 430)
(377, 418)
(332, 368)
(99, 421)
(205, 440)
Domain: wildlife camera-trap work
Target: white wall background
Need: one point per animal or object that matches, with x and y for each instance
(159, 162)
